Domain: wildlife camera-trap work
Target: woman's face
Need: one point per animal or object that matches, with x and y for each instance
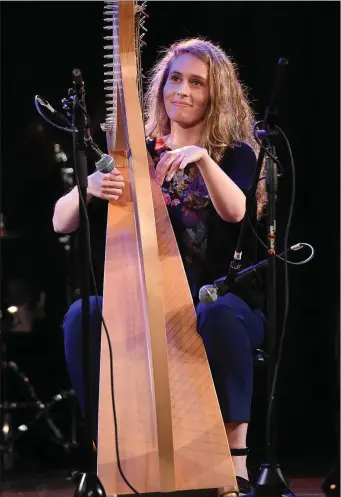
(186, 91)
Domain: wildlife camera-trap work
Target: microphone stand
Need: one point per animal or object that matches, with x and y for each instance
(89, 483)
(271, 482)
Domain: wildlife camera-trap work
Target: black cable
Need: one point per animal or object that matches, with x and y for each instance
(275, 159)
(87, 224)
(297, 246)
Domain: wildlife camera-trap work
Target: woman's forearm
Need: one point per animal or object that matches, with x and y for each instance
(227, 198)
(108, 186)
(66, 212)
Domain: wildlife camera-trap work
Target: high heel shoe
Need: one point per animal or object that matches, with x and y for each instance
(244, 485)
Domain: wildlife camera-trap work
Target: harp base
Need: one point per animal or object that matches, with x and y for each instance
(90, 486)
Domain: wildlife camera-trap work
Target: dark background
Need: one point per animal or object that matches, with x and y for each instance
(41, 43)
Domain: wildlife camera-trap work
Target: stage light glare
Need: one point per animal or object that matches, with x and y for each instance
(12, 309)
(5, 429)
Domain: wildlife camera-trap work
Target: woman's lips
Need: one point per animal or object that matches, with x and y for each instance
(180, 104)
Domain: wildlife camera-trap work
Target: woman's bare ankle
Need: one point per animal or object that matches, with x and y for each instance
(239, 464)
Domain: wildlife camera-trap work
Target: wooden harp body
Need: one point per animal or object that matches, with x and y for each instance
(170, 430)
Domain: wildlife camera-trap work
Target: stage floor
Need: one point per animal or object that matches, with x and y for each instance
(56, 486)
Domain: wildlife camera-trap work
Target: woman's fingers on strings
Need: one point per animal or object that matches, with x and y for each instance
(112, 188)
(109, 180)
(169, 167)
(117, 179)
(163, 166)
(179, 163)
(106, 196)
(184, 163)
(116, 184)
(161, 171)
(112, 191)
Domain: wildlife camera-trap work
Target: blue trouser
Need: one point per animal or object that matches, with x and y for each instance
(230, 330)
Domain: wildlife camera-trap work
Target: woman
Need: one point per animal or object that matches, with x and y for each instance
(199, 134)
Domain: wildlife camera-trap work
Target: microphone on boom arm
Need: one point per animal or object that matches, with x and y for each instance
(104, 163)
(210, 293)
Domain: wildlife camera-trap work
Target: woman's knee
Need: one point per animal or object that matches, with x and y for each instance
(73, 319)
(217, 318)
(230, 319)
(74, 313)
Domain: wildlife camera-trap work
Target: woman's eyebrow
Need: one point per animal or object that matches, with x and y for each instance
(191, 75)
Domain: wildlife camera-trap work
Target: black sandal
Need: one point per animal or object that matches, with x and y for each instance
(244, 485)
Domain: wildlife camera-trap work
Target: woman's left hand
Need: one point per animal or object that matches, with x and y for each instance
(175, 160)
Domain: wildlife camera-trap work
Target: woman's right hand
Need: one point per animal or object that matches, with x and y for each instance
(108, 186)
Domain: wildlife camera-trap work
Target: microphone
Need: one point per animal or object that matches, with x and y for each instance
(105, 163)
(210, 293)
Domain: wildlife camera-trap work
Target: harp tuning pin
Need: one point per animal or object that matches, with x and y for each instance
(109, 73)
(109, 64)
(108, 38)
(108, 47)
(108, 27)
(109, 56)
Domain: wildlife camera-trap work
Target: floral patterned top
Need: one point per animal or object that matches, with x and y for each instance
(195, 222)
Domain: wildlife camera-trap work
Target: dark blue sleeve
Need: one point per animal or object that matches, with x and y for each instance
(239, 163)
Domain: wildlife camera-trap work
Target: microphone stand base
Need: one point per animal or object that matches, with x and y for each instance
(89, 486)
(271, 483)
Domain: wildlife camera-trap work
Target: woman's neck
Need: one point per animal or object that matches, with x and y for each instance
(182, 137)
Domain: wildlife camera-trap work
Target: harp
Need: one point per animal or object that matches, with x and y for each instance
(171, 434)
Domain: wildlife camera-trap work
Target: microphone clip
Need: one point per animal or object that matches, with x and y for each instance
(68, 102)
(225, 283)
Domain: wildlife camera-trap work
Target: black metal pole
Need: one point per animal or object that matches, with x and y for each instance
(271, 482)
(271, 188)
(89, 483)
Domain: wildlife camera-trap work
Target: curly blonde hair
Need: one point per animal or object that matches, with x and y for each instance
(229, 117)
